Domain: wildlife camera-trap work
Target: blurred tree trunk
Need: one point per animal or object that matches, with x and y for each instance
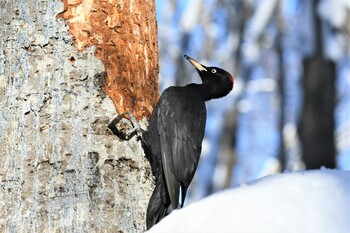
(62, 170)
(181, 65)
(316, 127)
(227, 154)
(281, 84)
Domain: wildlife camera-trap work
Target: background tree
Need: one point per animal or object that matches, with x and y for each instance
(263, 43)
(64, 69)
(316, 127)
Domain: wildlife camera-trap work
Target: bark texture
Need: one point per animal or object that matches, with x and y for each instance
(62, 170)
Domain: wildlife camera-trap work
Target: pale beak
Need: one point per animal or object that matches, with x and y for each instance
(196, 64)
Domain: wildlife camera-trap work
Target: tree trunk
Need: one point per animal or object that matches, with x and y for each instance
(316, 126)
(62, 170)
(281, 84)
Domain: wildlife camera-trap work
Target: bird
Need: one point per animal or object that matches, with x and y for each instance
(173, 140)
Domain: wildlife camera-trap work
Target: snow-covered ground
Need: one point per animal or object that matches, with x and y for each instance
(300, 202)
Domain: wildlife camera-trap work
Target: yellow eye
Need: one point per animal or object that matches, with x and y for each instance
(213, 71)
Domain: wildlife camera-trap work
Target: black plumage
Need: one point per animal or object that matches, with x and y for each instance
(173, 141)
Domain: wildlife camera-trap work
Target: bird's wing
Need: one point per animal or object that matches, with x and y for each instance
(181, 130)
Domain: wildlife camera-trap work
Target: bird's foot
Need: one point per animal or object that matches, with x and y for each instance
(123, 129)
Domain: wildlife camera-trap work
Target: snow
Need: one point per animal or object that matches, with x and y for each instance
(300, 202)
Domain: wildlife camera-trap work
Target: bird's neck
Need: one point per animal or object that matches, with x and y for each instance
(205, 90)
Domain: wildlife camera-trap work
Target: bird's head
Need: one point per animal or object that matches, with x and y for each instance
(219, 80)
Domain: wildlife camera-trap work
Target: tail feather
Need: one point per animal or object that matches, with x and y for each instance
(157, 209)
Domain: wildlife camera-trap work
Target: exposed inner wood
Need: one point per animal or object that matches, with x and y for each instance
(125, 36)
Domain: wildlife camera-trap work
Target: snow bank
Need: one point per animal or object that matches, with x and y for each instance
(300, 202)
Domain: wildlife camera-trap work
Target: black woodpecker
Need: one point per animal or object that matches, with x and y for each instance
(173, 141)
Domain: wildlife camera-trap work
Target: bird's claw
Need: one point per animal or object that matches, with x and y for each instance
(112, 125)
